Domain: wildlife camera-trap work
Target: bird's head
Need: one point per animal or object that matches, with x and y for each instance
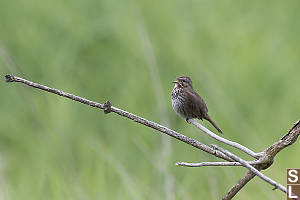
(183, 81)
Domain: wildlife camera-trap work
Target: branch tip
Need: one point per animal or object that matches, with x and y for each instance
(179, 164)
(9, 78)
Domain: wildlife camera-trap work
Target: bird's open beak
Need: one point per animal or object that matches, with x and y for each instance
(176, 80)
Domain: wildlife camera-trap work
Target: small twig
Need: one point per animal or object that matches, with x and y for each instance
(287, 140)
(225, 141)
(251, 168)
(163, 129)
(205, 164)
(222, 164)
(268, 157)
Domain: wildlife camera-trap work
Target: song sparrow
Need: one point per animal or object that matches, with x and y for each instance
(187, 103)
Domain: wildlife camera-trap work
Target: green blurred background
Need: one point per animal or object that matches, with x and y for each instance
(243, 57)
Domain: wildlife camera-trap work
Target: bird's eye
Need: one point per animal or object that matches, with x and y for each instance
(183, 80)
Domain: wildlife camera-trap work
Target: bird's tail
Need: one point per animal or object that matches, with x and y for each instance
(213, 123)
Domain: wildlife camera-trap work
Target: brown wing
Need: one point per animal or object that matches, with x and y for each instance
(196, 105)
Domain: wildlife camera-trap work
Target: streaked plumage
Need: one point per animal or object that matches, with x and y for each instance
(187, 103)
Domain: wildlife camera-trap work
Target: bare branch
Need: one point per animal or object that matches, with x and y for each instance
(265, 158)
(225, 141)
(237, 187)
(108, 108)
(251, 168)
(285, 141)
(268, 157)
(222, 164)
(204, 164)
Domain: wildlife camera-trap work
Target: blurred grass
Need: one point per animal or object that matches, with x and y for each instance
(243, 59)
